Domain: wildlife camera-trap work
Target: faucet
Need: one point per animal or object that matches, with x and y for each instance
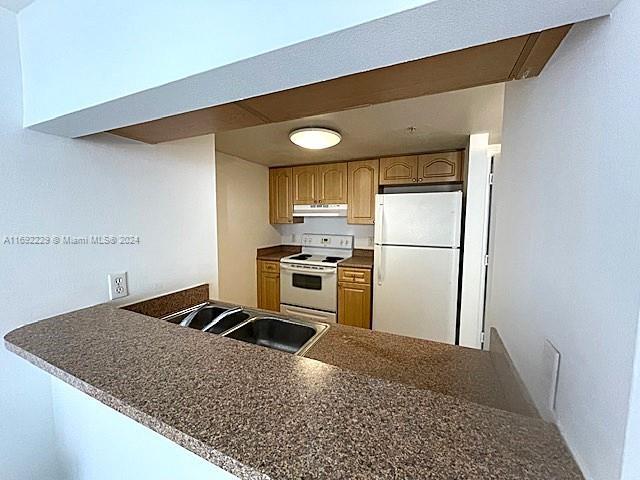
(189, 318)
(221, 316)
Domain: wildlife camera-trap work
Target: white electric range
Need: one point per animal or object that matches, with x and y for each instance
(309, 280)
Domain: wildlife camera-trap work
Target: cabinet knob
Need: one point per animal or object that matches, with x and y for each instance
(319, 201)
(414, 179)
(419, 179)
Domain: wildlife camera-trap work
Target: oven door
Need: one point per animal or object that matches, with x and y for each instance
(307, 314)
(309, 286)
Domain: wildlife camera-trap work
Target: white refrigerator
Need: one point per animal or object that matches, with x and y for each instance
(417, 254)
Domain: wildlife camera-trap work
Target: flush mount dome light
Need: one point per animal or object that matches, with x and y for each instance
(315, 138)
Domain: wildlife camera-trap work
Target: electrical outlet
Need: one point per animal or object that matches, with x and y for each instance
(118, 286)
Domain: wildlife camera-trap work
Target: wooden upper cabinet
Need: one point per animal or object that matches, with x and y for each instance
(398, 170)
(332, 183)
(440, 167)
(280, 204)
(421, 169)
(326, 183)
(362, 188)
(305, 184)
(355, 183)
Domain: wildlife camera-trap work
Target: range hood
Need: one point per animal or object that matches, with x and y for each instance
(320, 210)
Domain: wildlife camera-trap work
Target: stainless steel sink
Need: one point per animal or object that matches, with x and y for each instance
(288, 335)
(281, 333)
(218, 319)
(179, 316)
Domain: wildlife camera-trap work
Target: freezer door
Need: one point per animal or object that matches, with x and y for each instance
(415, 292)
(424, 219)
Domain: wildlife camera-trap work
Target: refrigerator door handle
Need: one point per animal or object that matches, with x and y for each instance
(453, 293)
(379, 220)
(378, 239)
(457, 225)
(379, 262)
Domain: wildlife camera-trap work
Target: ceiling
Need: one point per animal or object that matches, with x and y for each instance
(440, 122)
(15, 5)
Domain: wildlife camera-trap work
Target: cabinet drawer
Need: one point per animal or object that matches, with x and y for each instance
(270, 267)
(354, 275)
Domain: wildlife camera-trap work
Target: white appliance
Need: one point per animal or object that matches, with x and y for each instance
(320, 210)
(309, 280)
(416, 262)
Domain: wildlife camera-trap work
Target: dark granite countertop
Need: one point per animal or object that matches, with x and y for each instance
(362, 258)
(281, 416)
(463, 373)
(274, 254)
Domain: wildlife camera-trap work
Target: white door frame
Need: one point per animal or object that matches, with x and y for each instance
(476, 237)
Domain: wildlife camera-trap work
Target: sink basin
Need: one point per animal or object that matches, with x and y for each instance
(207, 315)
(288, 335)
(177, 317)
(223, 324)
(291, 336)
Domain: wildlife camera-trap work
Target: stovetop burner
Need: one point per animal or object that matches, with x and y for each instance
(302, 256)
(323, 252)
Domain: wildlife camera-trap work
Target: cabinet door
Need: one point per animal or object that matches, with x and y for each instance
(269, 285)
(332, 183)
(362, 189)
(305, 183)
(398, 170)
(440, 167)
(280, 204)
(354, 305)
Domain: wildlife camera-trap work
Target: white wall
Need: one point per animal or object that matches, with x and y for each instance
(566, 242)
(362, 234)
(52, 186)
(91, 57)
(25, 398)
(243, 226)
(631, 458)
(90, 52)
(97, 443)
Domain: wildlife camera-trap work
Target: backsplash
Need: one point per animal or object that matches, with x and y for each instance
(362, 234)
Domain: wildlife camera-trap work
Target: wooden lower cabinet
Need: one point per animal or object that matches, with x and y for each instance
(354, 297)
(268, 285)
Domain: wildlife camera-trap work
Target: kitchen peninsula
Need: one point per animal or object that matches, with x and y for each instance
(261, 413)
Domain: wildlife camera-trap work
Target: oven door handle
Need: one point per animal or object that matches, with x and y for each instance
(309, 271)
(305, 314)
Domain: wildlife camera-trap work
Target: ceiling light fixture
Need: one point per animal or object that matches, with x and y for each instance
(315, 138)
